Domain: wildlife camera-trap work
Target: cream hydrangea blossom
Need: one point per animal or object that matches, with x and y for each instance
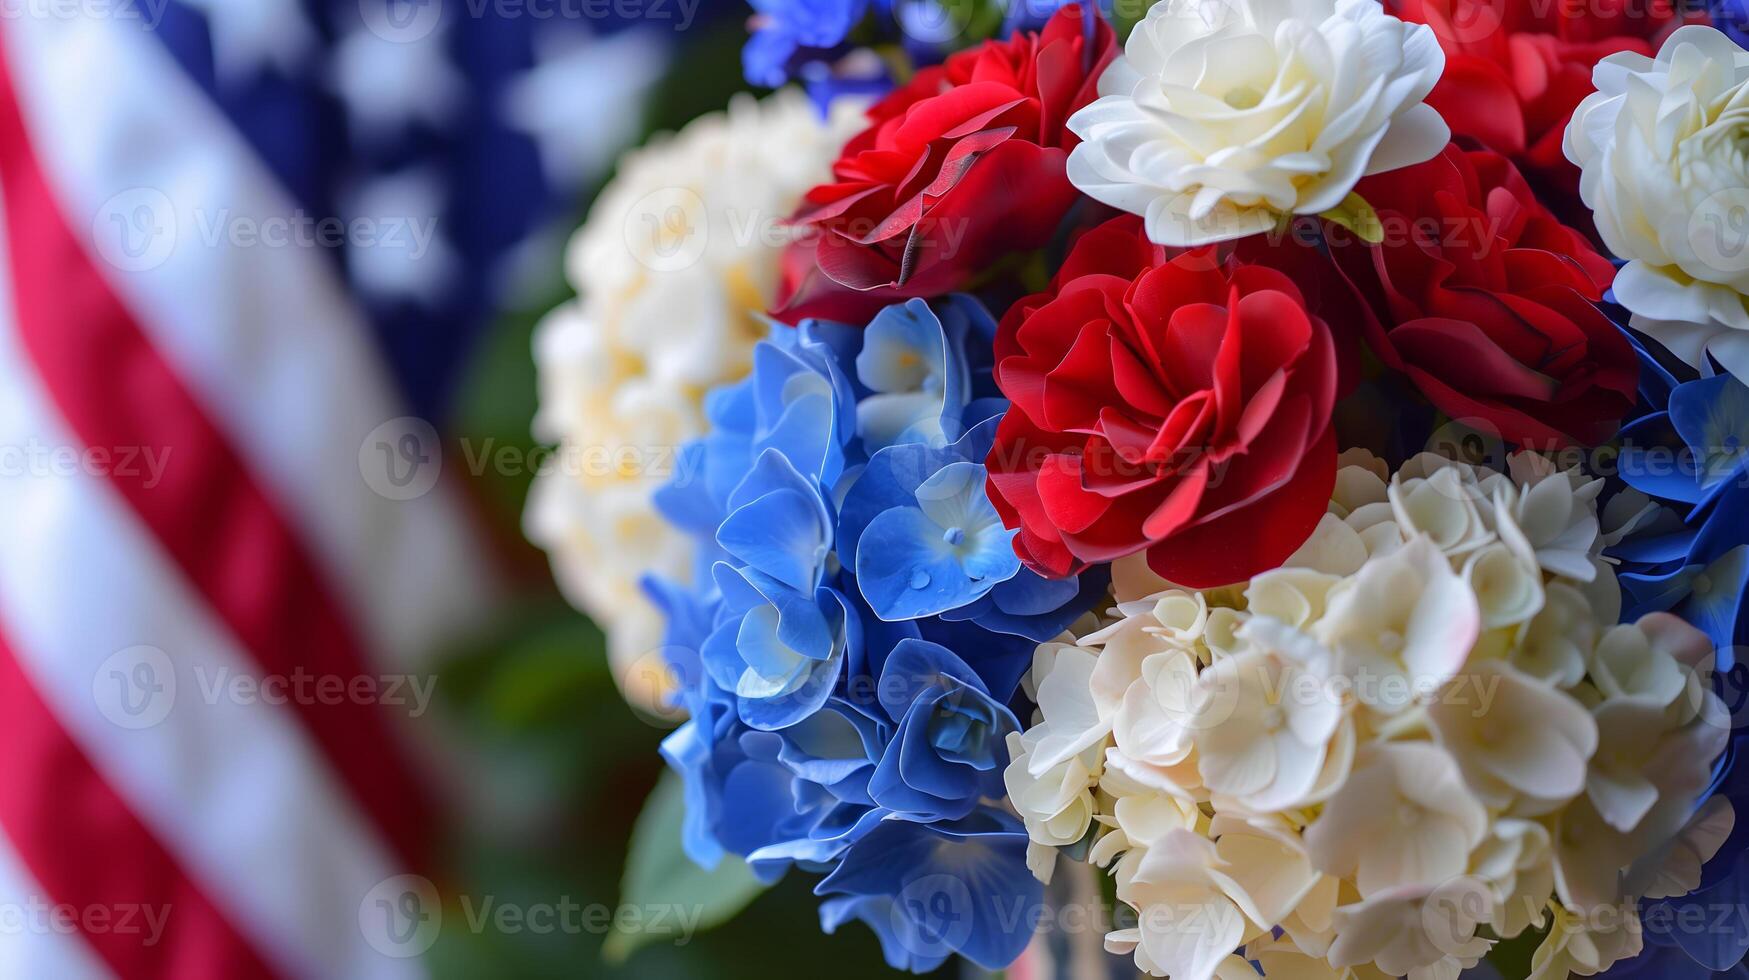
(1659, 145)
(678, 257)
(1420, 736)
(1223, 116)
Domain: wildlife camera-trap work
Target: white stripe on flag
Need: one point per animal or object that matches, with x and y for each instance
(229, 783)
(264, 336)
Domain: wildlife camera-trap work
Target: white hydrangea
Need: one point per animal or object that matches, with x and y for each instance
(1423, 733)
(679, 256)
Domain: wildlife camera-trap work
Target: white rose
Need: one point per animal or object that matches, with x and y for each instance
(1222, 117)
(1659, 145)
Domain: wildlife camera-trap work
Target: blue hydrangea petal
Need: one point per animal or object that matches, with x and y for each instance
(1716, 600)
(1723, 525)
(988, 555)
(1712, 417)
(773, 669)
(906, 570)
(902, 350)
(756, 799)
(889, 480)
(913, 781)
(1657, 549)
(953, 496)
(978, 725)
(766, 56)
(1717, 948)
(832, 747)
(1090, 587)
(721, 656)
(901, 417)
(917, 667)
(898, 936)
(837, 830)
(961, 890)
(688, 754)
(1656, 461)
(807, 624)
(780, 534)
(804, 434)
(774, 714)
(1031, 594)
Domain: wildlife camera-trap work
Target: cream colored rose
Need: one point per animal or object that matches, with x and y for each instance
(1222, 116)
(1660, 146)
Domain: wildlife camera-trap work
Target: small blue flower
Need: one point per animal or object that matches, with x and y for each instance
(1697, 448)
(948, 750)
(1031, 15)
(864, 76)
(781, 647)
(737, 791)
(1693, 454)
(914, 362)
(1732, 17)
(789, 33)
(930, 890)
(924, 540)
(943, 549)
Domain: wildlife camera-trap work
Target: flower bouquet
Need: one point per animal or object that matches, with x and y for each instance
(1278, 466)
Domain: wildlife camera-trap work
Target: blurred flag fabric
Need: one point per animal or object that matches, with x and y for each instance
(248, 246)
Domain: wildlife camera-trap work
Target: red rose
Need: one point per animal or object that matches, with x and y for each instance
(1515, 70)
(1175, 404)
(962, 165)
(1487, 302)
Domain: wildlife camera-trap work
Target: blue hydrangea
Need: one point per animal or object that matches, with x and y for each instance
(1732, 17)
(813, 41)
(853, 640)
(788, 34)
(1689, 452)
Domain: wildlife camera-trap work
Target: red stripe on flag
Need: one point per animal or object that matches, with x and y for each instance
(89, 853)
(207, 511)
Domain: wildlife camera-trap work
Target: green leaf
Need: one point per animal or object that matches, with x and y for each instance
(664, 894)
(1358, 217)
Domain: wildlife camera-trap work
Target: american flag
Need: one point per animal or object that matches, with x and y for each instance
(247, 245)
